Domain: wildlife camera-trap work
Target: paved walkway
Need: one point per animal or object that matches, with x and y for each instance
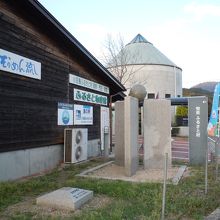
(214, 216)
(179, 148)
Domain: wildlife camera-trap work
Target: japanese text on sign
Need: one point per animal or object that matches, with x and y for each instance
(83, 115)
(84, 96)
(88, 84)
(17, 64)
(197, 121)
(65, 114)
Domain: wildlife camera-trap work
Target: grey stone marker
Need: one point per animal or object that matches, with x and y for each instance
(65, 198)
(198, 121)
(157, 133)
(119, 134)
(131, 135)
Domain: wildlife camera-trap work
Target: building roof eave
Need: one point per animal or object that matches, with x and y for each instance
(43, 11)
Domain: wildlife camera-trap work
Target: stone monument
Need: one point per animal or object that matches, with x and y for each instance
(157, 133)
(65, 198)
(126, 135)
(131, 135)
(138, 91)
(119, 134)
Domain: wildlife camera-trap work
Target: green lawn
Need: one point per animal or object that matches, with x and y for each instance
(125, 200)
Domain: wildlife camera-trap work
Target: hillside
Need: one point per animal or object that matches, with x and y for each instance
(199, 92)
(208, 86)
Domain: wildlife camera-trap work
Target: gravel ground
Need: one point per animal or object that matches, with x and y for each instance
(113, 171)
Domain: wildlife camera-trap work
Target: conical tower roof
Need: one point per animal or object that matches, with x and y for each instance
(139, 39)
(141, 51)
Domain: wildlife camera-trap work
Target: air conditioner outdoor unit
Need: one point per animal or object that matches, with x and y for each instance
(75, 145)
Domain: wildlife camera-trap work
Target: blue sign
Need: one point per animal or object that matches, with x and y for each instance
(65, 114)
(83, 115)
(65, 117)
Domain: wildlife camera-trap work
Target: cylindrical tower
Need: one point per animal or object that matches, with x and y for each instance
(146, 65)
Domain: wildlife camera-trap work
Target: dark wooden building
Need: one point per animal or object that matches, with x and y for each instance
(42, 68)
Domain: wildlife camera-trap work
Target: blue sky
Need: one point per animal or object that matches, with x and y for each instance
(187, 32)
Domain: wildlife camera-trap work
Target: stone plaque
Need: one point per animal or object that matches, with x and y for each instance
(65, 198)
(198, 121)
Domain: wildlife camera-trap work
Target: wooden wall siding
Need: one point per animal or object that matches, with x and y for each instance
(41, 38)
(28, 107)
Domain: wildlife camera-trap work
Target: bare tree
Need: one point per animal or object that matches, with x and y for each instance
(118, 60)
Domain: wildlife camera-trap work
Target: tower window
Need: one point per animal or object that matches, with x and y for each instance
(151, 95)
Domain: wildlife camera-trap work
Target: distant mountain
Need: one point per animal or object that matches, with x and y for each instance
(199, 92)
(208, 86)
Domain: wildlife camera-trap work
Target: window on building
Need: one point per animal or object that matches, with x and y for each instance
(151, 95)
(167, 96)
(178, 96)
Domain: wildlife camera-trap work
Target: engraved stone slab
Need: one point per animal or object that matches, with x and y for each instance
(157, 133)
(65, 198)
(119, 134)
(131, 135)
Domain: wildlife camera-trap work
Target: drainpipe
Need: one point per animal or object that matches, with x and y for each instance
(110, 120)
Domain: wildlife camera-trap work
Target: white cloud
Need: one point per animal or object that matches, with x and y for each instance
(202, 10)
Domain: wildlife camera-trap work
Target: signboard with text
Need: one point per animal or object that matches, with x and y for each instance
(65, 114)
(198, 120)
(84, 96)
(77, 80)
(83, 115)
(13, 63)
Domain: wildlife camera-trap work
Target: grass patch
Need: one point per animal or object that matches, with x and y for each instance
(15, 191)
(128, 200)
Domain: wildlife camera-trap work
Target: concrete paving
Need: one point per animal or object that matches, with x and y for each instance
(214, 215)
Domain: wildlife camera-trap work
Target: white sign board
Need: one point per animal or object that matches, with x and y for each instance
(13, 63)
(65, 114)
(84, 96)
(88, 84)
(83, 115)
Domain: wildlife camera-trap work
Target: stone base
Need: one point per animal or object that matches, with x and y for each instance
(65, 198)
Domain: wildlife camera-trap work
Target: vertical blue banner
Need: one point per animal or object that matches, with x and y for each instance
(214, 117)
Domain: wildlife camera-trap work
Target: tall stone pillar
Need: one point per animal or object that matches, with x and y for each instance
(198, 121)
(119, 133)
(131, 135)
(157, 133)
